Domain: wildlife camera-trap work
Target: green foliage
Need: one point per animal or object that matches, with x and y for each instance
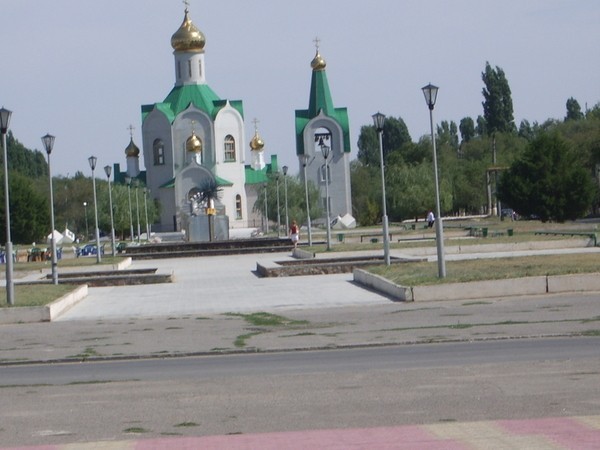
(467, 129)
(497, 107)
(31, 163)
(296, 200)
(395, 137)
(366, 193)
(29, 211)
(573, 110)
(548, 181)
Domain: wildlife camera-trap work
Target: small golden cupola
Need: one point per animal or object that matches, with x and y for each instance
(132, 149)
(318, 63)
(193, 144)
(256, 144)
(188, 38)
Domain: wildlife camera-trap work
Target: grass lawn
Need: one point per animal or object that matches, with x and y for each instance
(424, 273)
(42, 294)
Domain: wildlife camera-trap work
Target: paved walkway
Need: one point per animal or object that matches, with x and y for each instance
(573, 433)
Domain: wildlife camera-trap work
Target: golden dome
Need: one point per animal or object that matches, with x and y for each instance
(188, 38)
(132, 149)
(256, 143)
(318, 63)
(193, 144)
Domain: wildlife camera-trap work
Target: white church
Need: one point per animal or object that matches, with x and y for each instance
(194, 141)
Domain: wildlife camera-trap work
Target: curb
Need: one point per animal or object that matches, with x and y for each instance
(46, 313)
(549, 284)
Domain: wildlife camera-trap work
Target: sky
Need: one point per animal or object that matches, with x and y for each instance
(81, 70)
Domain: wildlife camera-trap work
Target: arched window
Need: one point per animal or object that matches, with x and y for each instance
(229, 148)
(238, 206)
(158, 150)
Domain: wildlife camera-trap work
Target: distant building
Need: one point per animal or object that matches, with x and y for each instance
(194, 137)
(322, 124)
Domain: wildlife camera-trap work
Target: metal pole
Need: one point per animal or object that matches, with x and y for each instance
(327, 204)
(287, 217)
(146, 213)
(130, 212)
(278, 209)
(10, 287)
(439, 228)
(98, 256)
(137, 210)
(107, 169)
(386, 234)
(307, 205)
(266, 212)
(87, 229)
(48, 144)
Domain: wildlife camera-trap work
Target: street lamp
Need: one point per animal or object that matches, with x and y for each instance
(93, 160)
(48, 141)
(107, 170)
(10, 287)
(287, 217)
(278, 209)
(136, 183)
(430, 91)
(304, 159)
(146, 192)
(379, 121)
(87, 231)
(266, 210)
(325, 149)
(128, 182)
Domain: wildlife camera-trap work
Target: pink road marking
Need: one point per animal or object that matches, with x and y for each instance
(383, 438)
(564, 431)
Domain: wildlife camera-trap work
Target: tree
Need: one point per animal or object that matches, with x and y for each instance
(395, 137)
(497, 107)
(447, 133)
(467, 129)
(573, 110)
(29, 211)
(548, 181)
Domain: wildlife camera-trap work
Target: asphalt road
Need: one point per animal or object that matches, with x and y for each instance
(255, 393)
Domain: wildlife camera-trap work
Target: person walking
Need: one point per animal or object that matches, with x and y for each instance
(430, 219)
(294, 233)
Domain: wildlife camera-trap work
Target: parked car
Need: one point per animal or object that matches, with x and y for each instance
(89, 250)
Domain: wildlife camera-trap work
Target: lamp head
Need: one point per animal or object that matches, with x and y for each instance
(430, 92)
(107, 171)
(48, 142)
(379, 121)
(4, 119)
(92, 160)
(285, 169)
(304, 159)
(325, 149)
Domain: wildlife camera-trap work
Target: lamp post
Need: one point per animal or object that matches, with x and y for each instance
(48, 141)
(379, 121)
(430, 93)
(266, 211)
(287, 217)
(93, 160)
(304, 159)
(325, 149)
(107, 170)
(136, 183)
(278, 209)
(87, 230)
(146, 192)
(10, 287)
(128, 182)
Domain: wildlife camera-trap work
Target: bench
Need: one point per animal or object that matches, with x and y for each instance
(589, 234)
(373, 237)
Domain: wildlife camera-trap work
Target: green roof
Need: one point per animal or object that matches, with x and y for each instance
(220, 182)
(261, 176)
(199, 95)
(320, 100)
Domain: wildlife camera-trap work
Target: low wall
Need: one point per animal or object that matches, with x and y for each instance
(481, 289)
(45, 313)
